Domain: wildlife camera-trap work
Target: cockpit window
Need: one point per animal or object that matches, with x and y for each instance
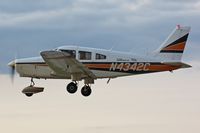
(100, 56)
(71, 52)
(84, 55)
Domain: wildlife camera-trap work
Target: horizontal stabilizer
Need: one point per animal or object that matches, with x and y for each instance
(182, 65)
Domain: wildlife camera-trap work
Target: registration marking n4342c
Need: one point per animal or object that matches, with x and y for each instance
(137, 66)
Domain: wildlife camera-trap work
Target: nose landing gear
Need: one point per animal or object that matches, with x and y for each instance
(30, 90)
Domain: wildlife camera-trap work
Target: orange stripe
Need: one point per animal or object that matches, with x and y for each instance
(98, 65)
(178, 46)
(150, 68)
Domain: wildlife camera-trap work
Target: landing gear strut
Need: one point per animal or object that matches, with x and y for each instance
(32, 82)
(30, 90)
(72, 87)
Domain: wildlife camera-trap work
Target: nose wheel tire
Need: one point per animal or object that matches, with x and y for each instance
(29, 94)
(86, 90)
(72, 87)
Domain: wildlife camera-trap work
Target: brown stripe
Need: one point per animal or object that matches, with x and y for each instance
(98, 66)
(178, 46)
(150, 68)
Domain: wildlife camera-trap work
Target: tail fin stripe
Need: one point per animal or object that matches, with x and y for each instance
(180, 40)
(179, 46)
(176, 46)
(172, 51)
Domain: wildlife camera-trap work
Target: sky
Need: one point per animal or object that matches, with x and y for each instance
(154, 103)
(140, 26)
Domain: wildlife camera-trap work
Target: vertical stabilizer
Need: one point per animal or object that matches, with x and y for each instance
(173, 47)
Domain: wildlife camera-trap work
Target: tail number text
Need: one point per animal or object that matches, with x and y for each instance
(141, 66)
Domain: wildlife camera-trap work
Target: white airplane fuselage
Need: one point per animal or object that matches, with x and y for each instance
(116, 64)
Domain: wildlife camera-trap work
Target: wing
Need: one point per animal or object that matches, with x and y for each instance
(63, 63)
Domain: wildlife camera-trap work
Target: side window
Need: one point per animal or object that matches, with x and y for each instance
(83, 55)
(100, 57)
(71, 52)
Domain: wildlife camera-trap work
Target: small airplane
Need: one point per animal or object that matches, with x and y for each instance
(89, 64)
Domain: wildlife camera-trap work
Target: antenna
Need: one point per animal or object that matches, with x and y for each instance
(113, 46)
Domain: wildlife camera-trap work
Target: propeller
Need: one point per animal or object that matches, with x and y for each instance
(12, 66)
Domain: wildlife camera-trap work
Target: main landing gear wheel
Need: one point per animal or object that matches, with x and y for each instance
(72, 87)
(86, 90)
